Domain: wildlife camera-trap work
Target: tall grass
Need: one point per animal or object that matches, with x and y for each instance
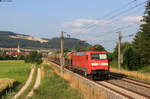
(87, 91)
(55, 87)
(141, 74)
(145, 69)
(133, 74)
(5, 83)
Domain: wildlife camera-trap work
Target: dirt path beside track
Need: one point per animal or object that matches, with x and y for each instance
(26, 84)
(37, 83)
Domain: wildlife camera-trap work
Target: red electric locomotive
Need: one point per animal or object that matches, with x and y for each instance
(93, 64)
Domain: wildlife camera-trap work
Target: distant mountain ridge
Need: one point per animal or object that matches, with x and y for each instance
(11, 40)
(22, 36)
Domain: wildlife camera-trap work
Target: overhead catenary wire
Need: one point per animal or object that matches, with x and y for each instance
(89, 26)
(106, 33)
(113, 22)
(118, 14)
(114, 30)
(128, 10)
(109, 32)
(118, 29)
(112, 40)
(113, 12)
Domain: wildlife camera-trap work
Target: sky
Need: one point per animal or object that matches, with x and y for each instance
(93, 21)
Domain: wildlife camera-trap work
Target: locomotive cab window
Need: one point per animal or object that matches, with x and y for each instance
(103, 56)
(98, 56)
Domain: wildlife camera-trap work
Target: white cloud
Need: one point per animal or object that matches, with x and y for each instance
(74, 24)
(135, 19)
(83, 22)
(81, 26)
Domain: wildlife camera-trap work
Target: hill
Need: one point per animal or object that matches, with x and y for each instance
(11, 40)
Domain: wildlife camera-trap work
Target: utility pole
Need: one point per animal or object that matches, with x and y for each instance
(119, 49)
(62, 52)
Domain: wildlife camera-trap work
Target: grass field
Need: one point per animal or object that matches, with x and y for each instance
(17, 70)
(55, 87)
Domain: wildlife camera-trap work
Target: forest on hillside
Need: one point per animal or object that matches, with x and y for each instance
(54, 43)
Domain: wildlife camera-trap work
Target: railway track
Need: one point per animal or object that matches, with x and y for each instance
(134, 86)
(133, 81)
(129, 88)
(125, 91)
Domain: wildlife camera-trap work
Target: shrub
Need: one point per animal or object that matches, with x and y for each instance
(34, 57)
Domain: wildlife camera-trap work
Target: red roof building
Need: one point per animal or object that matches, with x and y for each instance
(17, 53)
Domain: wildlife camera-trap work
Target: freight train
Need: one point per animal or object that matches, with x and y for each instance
(93, 64)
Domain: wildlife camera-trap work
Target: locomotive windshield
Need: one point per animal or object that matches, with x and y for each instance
(98, 56)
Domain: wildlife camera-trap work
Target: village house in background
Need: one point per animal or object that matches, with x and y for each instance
(14, 51)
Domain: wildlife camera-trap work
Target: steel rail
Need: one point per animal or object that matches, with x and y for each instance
(123, 94)
(132, 81)
(148, 97)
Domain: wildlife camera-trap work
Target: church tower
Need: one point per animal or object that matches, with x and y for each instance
(18, 50)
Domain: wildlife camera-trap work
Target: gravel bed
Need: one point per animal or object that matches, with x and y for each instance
(131, 86)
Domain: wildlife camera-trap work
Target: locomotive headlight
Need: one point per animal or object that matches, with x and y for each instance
(94, 64)
(104, 63)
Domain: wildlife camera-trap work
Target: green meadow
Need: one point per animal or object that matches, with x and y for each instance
(15, 69)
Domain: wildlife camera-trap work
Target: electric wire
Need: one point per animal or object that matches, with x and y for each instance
(113, 12)
(123, 26)
(112, 17)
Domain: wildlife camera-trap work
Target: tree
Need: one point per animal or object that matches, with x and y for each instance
(131, 59)
(124, 46)
(142, 39)
(81, 48)
(34, 57)
(20, 57)
(4, 56)
(97, 47)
